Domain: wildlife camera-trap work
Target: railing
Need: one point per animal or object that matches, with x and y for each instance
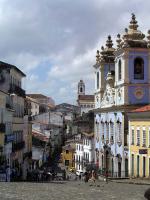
(2, 127)
(27, 155)
(78, 161)
(18, 146)
(16, 89)
(9, 106)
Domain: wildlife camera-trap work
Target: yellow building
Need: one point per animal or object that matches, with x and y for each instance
(68, 156)
(139, 142)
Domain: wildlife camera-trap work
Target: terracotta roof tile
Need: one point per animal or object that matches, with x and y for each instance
(142, 109)
(86, 97)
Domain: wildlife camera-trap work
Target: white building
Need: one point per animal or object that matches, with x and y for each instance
(34, 104)
(84, 153)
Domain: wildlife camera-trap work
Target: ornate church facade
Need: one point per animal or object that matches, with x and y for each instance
(122, 83)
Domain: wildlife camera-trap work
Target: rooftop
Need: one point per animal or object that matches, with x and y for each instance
(86, 97)
(142, 109)
(37, 96)
(9, 66)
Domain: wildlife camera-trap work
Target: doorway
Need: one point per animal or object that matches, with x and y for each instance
(144, 165)
(126, 167)
(119, 169)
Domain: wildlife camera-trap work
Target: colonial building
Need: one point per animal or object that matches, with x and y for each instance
(6, 133)
(34, 105)
(85, 102)
(68, 155)
(11, 78)
(84, 141)
(122, 83)
(139, 142)
(45, 103)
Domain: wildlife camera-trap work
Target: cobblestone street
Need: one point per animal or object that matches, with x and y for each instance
(71, 191)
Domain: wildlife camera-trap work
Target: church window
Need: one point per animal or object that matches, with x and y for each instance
(119, 70)
(111, 130)
(119, 127)
(97, 80)
(81, 90)
(138, 69)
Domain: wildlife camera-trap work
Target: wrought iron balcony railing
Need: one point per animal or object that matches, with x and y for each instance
(9, 106)
(17, 90)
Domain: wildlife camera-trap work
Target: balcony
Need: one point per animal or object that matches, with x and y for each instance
(78, 161)
(17, 90)
(9, 106)
(2, 127)
(18, 146)
(27, 155)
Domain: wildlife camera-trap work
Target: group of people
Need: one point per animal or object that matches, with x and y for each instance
(43, 175)
(88, 175)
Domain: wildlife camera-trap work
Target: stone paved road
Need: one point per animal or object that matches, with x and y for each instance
(71, 191)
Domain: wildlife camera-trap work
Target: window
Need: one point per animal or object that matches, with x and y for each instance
(119, 70)
(139, 69)
(138, 137)
(119, 131)
(144, 137)
(67, 151)
(81, 90)
(138, 166)
(111, 131)
(102, 130)
(97, 80)
(132, 135)
(132, 171)
(66, 162)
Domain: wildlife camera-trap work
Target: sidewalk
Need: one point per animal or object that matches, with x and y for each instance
(136, 181)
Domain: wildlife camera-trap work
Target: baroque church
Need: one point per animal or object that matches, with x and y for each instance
(84, 101)
(122, 84)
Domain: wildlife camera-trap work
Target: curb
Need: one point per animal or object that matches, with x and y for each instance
(134, 183)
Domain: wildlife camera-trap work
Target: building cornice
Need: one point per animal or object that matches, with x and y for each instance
(122, 108)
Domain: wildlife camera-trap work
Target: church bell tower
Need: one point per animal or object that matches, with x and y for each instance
(81, 88)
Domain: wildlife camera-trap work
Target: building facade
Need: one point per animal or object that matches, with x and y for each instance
(11, 84)
(139, 146)
(122, 78)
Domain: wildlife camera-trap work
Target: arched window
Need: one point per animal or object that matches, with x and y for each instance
(139, 68)
(81, 90)
(97, 80)
(119, 70)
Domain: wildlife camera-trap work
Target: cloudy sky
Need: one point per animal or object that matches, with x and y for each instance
(54, 41)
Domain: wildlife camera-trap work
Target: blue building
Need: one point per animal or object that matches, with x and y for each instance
(122, 83)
